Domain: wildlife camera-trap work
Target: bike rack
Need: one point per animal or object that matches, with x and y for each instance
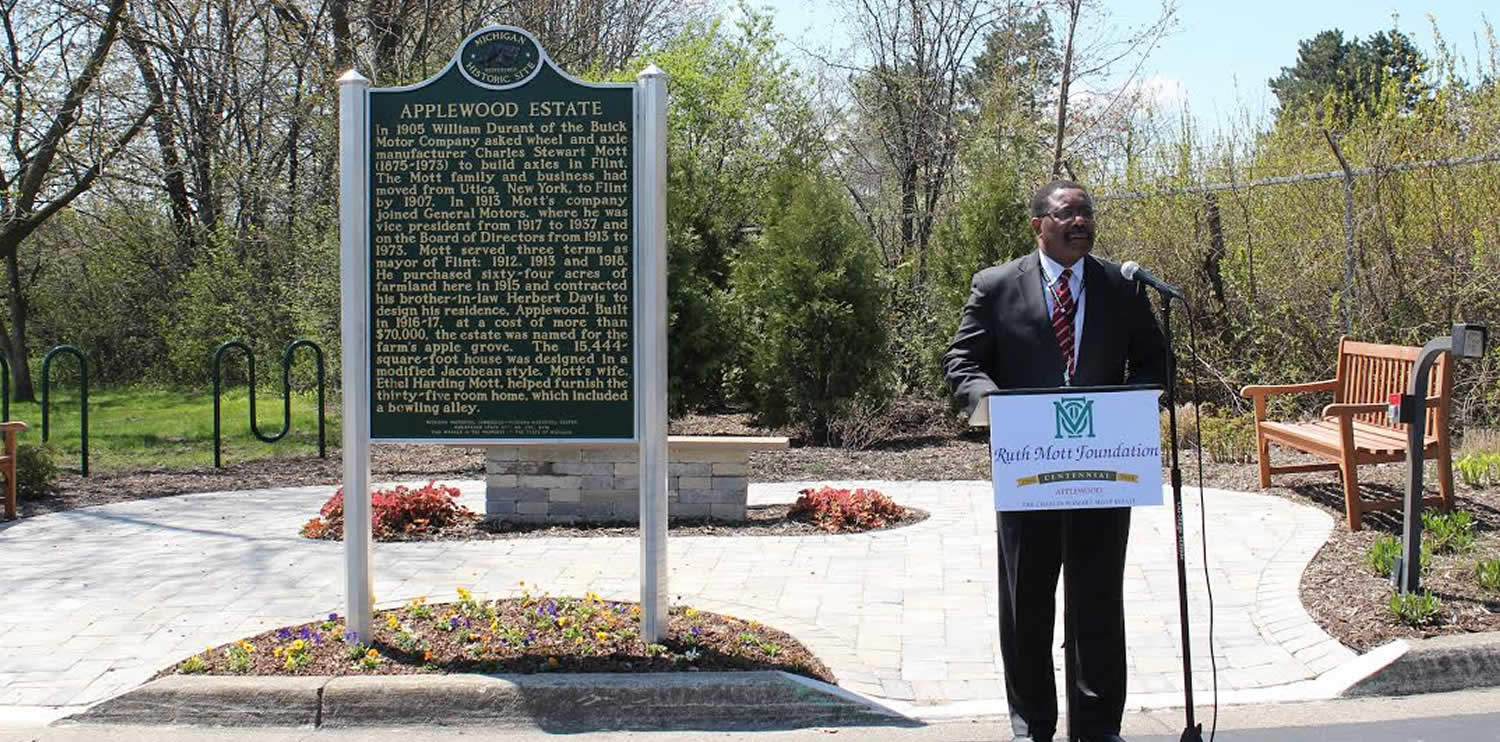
(83, 374)
(286, 385)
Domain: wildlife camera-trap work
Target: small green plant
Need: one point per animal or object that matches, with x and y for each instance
(1415, 609)
(1479, 469)
(355, 651)
(1487, 572)
(1383, 554)
(371, 659)
(297, 654)
(238, 655)
(195, 664)
(36, 471)
(418, 608)
(1449, 533)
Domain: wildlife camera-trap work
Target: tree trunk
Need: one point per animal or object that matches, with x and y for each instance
(1062, 95)
(19, 370)
(343, 44)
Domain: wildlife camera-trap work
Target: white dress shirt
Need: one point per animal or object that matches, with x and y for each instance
(1051, 273)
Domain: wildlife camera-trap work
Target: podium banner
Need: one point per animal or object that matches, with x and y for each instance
(1060, 449)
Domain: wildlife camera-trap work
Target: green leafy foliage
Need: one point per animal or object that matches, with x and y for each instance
(1487, 574)
(36, 470)
(1449, 532)
(1382, 555)
(1350, 75)
(1386, 551)
(990, 226)
(738, 122)
(1264, 265)
(1414, 609)
(1479, 469)
(1226, 437)
(810, 295)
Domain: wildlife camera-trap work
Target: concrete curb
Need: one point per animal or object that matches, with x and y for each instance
(557, 702)
(1435, 665)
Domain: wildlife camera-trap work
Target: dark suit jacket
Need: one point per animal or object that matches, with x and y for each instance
(1005, 340)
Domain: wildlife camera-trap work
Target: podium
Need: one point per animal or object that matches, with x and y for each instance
(1068, 448)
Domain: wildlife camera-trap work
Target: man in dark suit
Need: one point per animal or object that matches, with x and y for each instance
(1056, 317)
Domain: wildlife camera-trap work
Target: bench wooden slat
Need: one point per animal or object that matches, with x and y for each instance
(9, 430)
(1365, 374)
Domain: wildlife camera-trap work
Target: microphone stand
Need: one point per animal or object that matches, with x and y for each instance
(1194, 731)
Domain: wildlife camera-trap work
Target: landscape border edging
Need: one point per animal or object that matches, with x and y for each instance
(554, 701)
(1435, 665)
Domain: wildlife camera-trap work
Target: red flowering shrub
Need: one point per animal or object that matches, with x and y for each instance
(395, 513)
(842, 511)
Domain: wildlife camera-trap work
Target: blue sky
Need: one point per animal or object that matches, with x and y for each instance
(1221, 54)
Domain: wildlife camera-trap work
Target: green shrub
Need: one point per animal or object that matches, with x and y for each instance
(1479, 469)
(1448, 532)
(1187, 436)
(812, 299)
(1229, 439)
(36, 471)
(1415, 609)
(1487, 572)
(1383, 554)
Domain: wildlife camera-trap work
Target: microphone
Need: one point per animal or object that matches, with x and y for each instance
(1134, 272)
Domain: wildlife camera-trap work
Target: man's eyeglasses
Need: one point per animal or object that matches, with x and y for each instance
(1069, 214)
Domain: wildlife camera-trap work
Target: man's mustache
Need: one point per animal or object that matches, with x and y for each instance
(1081, 232)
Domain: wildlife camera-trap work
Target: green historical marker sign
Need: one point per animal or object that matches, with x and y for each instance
(502, 261)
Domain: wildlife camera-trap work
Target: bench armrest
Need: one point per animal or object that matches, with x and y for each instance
(1262, 390)
(1350, 410)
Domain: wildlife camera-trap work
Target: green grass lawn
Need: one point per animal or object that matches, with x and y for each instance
(137, 428)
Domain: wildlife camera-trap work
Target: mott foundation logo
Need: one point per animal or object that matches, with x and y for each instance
(1075, 417)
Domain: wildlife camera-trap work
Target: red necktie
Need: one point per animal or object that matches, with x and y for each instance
(1062, 318)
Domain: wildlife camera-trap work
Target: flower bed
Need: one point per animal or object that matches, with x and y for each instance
(528, 634)
(398, 513)
(845, 511)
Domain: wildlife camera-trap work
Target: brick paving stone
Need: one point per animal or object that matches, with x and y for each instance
(99, 599)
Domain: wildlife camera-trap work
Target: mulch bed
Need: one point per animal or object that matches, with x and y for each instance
(760, 520)
(531, 634)
(921, 442)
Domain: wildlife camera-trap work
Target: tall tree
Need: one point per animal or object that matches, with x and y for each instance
(906, 100)
(1354, 72)
(65, 124)
(1093, 48)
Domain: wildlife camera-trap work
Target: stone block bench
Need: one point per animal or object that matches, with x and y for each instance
(580, 482)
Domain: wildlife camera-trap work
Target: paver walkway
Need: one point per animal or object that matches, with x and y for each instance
(99, 599)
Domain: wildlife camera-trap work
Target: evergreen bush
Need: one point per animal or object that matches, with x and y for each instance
(36, 471)
(810, 294)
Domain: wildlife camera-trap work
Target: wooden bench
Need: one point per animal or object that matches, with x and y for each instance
(1354, 429)
(8, 464)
